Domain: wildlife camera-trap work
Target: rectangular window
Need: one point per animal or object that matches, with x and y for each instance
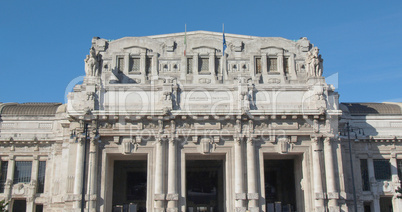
(258, 67)
(272, 65)
(203, 65)
(19, 205)
(217, 66)
(38, 208)
(189, 65)
(3, 177)
(22, 172)
(134, 65)
(41, 176)
(382, 169)
(399, 166)
(286, 65)
(148, 65)
(364, 173)
(120, 64)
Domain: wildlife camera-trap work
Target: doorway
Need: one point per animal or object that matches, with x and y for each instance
(130, 185)
(204, 185)
(280, 190)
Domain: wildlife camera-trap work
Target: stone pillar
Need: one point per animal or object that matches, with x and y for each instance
(224, 68)
(172, 195)
(92, 175)
(317, 172)
(10, 178)
(333, 194)
(79, 165)
(154, 68)
(195, 64)
(373, 184)
(211, 58)
(33, 184)
(159, 194)
(252, 194)
(395, 181)
(240, 194)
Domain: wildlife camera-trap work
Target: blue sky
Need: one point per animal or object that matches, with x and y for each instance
(43, 43)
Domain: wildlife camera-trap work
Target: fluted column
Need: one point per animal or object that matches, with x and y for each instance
(318, 190)
(332, 192)
(252, 194)
(79, 165)
(159, 195)
(92, 185)
(172, 195)
(240, 194)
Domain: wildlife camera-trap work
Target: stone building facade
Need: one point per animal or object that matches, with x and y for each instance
(181, 122)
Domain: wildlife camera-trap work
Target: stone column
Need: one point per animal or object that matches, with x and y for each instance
(79, 165)
(252, 194)
(373, 184)
(224, 68)
(333, 194)
(211, 58)
(395, 181)
(154, 66)
(240, 194)
(195, 64)
(318, 190)
(92, 175)
(33, 184)
(10, 178)
(159, 195)
(172, 195)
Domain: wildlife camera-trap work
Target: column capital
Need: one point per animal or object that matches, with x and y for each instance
(327, 140)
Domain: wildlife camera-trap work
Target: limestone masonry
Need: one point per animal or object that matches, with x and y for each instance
(177, 122)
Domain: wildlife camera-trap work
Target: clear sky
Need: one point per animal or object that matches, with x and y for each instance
(43, 43)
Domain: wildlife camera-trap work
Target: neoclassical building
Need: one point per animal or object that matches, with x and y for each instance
(184, 122)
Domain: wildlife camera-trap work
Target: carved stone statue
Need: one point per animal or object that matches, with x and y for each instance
(313, 63)
(92, 63)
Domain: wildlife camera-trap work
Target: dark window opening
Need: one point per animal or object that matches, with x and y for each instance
(41, 176)
(130, 185)
(386, 204)
(204, 183)
(280, 188)
(382, 169)
(19, 205)
(38, 208)
(364, 173)
(22, 172)
(286, 65)
(217, 66)
(367, 206)
(148, 65)
(3, 177)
